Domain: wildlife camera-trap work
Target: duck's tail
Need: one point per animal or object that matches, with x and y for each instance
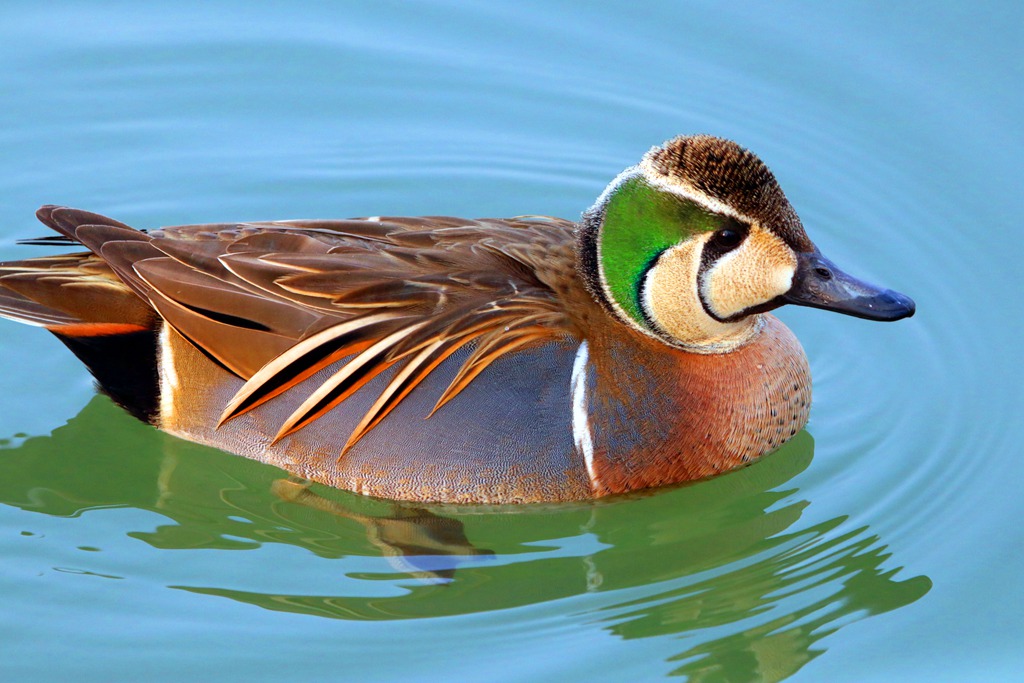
(80, 299)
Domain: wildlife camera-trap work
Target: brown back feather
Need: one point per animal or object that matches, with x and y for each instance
(276, 302)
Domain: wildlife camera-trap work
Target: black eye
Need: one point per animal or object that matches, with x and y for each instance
(727, 238)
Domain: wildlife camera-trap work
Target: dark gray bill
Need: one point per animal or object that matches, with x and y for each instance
(819, 284)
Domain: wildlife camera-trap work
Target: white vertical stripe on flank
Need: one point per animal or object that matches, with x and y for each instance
(580, 419)
(168, 373)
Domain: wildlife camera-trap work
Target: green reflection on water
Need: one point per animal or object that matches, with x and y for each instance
(724, 565)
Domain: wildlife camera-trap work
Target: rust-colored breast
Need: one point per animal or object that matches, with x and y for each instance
(663, 416)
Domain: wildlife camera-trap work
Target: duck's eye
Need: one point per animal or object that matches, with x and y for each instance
(727, 238)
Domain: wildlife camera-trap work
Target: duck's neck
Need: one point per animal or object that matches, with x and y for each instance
(645, 414)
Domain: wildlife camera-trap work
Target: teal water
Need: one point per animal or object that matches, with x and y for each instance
(882, 544)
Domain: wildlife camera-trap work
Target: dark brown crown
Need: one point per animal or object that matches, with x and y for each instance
(734, 176)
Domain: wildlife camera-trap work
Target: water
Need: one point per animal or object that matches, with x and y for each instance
(881, 544)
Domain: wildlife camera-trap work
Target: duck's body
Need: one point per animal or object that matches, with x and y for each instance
(441, 359)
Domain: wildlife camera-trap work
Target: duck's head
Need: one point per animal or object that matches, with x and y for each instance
(696, 241)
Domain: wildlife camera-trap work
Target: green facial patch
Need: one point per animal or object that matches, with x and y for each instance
(640, 222)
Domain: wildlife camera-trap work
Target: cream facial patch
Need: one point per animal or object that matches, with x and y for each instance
(756, 272)
(672, 301)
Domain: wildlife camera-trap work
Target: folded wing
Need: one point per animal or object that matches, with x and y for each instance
(274, 303)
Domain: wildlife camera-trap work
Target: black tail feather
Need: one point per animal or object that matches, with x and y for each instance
(124, 366)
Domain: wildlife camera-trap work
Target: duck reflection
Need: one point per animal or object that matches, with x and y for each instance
(728, 563)
(415, 541)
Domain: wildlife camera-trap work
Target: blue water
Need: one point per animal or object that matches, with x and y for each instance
(882, 544)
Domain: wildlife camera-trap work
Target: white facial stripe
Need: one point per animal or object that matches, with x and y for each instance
(690, 192)
(756, 272)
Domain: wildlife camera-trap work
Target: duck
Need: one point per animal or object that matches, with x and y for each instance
(446, 360)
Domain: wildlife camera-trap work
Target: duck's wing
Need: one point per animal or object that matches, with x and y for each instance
(276, 302)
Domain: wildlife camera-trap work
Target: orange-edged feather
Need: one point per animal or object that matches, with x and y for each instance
(350, 378)
(306, 358)
(402, 384)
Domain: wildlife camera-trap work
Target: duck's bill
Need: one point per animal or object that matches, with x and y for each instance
(819, 284)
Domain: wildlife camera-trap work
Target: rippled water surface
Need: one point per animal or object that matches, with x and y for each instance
(883, 543)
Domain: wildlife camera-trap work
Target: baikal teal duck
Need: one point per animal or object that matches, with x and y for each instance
(464, 361)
